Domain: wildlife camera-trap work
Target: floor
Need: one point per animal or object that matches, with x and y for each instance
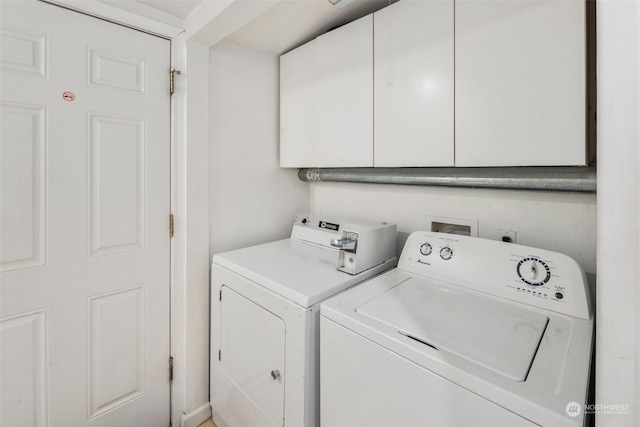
(208, 423)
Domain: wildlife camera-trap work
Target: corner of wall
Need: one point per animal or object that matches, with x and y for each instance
(618, 293)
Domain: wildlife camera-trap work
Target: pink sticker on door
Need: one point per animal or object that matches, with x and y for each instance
(68, 96)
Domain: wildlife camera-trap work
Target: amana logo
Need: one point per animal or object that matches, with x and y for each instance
(573, 409)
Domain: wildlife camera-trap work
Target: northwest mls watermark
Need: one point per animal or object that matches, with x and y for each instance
(574, 408)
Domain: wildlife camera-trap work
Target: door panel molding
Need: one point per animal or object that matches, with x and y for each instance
(23, 169)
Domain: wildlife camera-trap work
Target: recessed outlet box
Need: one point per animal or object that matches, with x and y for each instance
(465, 227)
(508, 236)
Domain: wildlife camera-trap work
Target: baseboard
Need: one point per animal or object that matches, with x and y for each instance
(197, 417)
(219, 422)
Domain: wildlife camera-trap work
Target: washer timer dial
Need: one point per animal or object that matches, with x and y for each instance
(533, 271)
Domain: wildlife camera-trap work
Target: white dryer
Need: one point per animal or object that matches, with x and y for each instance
(465, 332)
(265, 316)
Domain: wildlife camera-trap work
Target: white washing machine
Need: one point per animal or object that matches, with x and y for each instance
(465, 332)
(265, 316)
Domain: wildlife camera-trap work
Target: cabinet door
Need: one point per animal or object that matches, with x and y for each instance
(298, 111)
(413, 84)
(520, 83)
(345, 96)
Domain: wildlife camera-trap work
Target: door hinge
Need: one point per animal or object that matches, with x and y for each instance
(219, 355)
(171, 225)
(172, 80)
(171, 368)
(220, 295)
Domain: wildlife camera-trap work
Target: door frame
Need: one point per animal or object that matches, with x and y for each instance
(144, 18)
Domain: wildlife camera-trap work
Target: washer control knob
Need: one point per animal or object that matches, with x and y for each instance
(446, 253)
(533, 271)
(425, 249)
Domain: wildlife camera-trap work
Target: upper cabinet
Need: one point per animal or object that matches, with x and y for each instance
(298, 106)
(440, 83)
(413, 84)
(520, 83)
(326, 101)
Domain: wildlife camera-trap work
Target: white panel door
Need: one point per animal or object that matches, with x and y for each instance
(84, 311)
(520, 83)
(345, 96)
(413, 84)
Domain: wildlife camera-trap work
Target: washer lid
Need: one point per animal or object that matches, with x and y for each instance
(499, 336)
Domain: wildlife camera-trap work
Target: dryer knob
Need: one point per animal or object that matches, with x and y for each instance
(275, 374)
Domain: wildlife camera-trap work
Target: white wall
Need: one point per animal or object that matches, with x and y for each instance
(234, 193)
(562, 222)
(252, 199)
(190, 243)
(197, 232)
(618, 309)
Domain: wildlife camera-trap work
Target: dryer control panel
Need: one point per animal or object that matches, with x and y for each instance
(537, 277)
(360, 245)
